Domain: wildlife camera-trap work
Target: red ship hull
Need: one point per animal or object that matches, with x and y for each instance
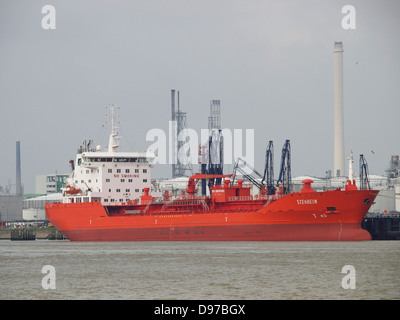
(311, 216)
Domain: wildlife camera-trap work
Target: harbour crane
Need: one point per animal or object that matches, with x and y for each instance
(268, 177)
(285, 175)
(364, 180)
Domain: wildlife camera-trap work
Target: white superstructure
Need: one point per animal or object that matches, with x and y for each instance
(108, 176)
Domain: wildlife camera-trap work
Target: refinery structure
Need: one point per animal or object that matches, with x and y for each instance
(210, 162)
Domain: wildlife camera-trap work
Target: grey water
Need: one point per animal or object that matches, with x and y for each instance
(199, 270)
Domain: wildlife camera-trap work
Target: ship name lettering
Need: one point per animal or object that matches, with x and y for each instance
(308, 201)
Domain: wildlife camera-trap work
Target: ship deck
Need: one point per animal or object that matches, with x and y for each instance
(196, 205)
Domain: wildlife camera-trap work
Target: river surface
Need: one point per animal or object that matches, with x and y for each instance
(199, 270)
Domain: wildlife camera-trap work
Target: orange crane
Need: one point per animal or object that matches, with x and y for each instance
(193, 180)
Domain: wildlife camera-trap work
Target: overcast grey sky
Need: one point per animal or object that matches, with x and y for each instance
(269, 62)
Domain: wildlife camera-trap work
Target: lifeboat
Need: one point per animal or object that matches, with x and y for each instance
(72, 190)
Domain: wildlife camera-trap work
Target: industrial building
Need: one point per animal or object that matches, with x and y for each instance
(33, 208)
(11, 204)
(178, 120)
(14, 208)
(50, 183)
(10, 208)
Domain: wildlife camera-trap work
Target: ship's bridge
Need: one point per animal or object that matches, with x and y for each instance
(94, 159)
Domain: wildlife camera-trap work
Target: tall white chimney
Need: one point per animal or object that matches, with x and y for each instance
(338, 152)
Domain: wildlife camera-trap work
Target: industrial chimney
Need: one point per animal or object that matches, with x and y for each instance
(173, 105)
(338, 154)
(172, 134)
(18, 171)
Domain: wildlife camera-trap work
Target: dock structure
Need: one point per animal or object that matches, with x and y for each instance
(31, 234)
(382, 226)
(23, 234)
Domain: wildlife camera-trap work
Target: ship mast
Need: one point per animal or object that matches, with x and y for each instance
(113, 142)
